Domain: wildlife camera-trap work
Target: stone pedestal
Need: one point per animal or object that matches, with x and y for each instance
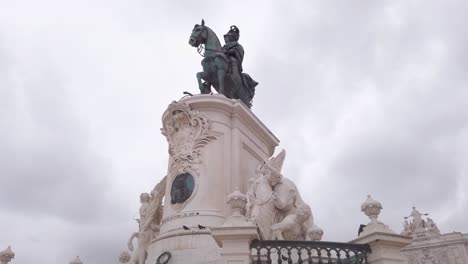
(235, 243)
(215, 145)
(235, 235)
(384, 242)
(385, 247)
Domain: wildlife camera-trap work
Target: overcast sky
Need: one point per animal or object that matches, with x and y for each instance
(367, 97)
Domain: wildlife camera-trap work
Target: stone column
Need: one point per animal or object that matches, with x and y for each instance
(235, 235)
(6, 255)
(385, 243)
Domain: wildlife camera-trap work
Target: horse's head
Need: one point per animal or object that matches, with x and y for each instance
(199, 35)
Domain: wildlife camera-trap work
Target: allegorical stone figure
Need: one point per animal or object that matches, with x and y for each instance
(276, 206)
(139, 255)
(407, 231)
(144, 208)
(260, 207)
(432, 227)
(150, 219)
(417, 218)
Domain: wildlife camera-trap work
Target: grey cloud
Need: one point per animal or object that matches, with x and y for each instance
(410, 155)
(47, 165)
(366, 97)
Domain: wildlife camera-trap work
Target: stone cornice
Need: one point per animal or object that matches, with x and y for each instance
(385, 238)
(236, 109)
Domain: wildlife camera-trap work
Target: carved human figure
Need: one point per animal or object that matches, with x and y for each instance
(233, 50)
(277, 207)
(260, 208)
(156, 212)
(432, 227)
(406, 229)
(417, 219)
(144, 237)
(150, 219)
(293, 212)
(144, 208)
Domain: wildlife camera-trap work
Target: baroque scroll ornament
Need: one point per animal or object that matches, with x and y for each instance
(187, 132)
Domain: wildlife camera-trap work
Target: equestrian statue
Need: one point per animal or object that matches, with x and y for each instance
(222, 65)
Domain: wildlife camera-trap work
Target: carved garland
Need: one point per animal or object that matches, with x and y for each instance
(187, 132)
(425, 255)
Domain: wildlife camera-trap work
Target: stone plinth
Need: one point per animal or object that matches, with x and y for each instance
(372, 209)
(235, 235)
(215, 145)
(384, 242)
(385, 247)
(235, 243)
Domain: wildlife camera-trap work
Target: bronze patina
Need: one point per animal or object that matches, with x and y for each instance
(222, 66)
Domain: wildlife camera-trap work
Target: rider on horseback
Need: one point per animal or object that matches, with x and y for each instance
(233, 50)
(222, 66)
(235, 53)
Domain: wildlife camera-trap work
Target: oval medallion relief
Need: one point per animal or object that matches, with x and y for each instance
(182, 188)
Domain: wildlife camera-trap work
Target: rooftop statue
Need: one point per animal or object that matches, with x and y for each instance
(222, 66)
(418, 222)
(418, 227)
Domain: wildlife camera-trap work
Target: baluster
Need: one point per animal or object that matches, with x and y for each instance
(259, 261)
(280, 255)
(329, 256)
(347, 255)
(299, 256)
(319, 254)
(359, 257)
(365, 257)
(338, 256)
(269, 255)
(309, 256)
(289, 255)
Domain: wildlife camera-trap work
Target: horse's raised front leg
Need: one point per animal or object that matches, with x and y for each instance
(221, 74)
(205, 88)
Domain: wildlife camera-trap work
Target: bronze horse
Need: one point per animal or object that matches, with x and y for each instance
(217, 69)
